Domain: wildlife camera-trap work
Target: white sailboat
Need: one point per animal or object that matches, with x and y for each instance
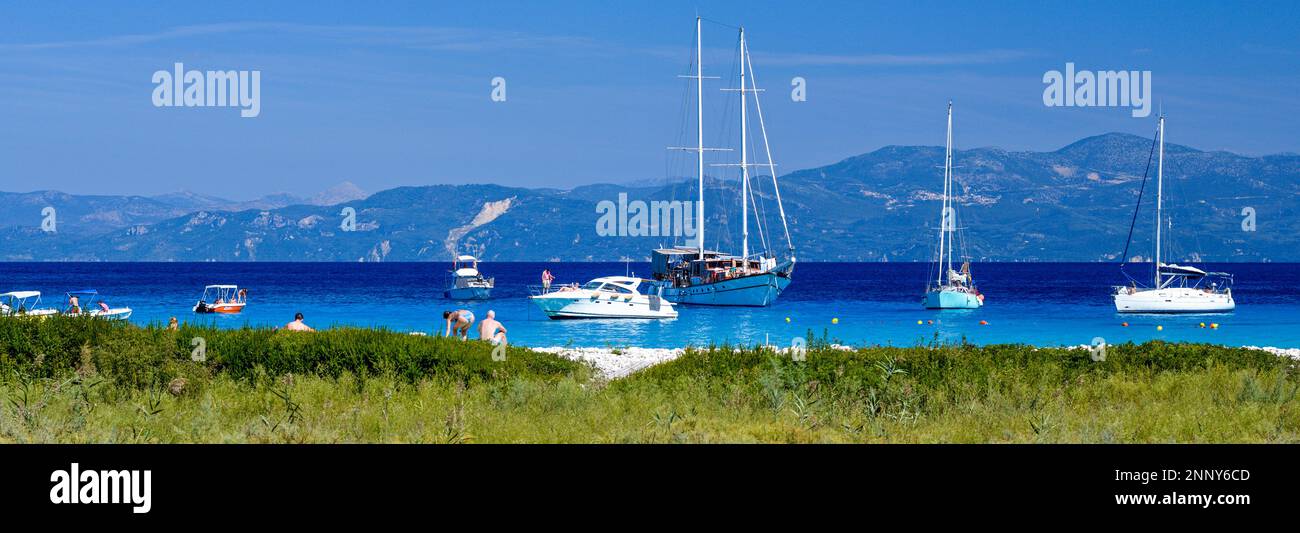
(952, 289)
(1176, 289)
(704, 277)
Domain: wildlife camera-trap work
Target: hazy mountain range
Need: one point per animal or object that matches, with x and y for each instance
(1072, 204)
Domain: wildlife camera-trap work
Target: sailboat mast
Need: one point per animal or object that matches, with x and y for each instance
(943, 210)
(1160, 188)
(771, 165)
(744, 160)
(699, 103)
(948, 211)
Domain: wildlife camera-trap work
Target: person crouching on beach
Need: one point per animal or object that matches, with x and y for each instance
(492, 331)
(462, 320)
(297, 324)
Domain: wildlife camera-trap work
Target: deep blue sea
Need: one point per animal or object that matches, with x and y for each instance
(1045, 304)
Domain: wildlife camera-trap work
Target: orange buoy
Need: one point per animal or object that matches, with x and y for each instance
(929, 321)
(1214, 325)
(1125, 324)
(984, 322)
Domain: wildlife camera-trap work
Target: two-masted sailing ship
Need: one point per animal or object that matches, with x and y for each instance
(699, 276)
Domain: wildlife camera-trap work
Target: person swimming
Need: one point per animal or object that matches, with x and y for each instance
(492, 331)
(462, 318)
(297, 324)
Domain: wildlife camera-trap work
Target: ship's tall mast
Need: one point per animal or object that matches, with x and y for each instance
(944, 219)
(699, 148)
(699, 103)
(758, 106)
(949, 211)
(744, 160)
(1160, 187)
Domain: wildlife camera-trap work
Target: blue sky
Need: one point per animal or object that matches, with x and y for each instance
(398, 93)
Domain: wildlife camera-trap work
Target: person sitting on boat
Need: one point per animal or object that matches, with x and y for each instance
(297, 324)
(74, 304)
(492, 331)
(103, 306)
(462, 318)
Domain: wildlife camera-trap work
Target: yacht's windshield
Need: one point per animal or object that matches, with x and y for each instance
(593, 285)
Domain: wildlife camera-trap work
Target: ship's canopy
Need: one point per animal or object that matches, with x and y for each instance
(1176, 270)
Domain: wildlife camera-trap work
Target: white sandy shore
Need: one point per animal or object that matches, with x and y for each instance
(615, 363)
(1293, 353)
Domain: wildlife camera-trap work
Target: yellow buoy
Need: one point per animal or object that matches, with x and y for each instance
(835, 320)
(918, 322)
(1160, 328)
(1202, 324)
(787, 320)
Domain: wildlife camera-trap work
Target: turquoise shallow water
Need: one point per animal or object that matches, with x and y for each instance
(876, 303)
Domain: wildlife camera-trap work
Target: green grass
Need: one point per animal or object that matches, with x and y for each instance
(83, 380)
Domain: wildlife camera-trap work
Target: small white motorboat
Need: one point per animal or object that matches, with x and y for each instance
(83, 303)
(226, 299)
(467, 283)
(607, 297)
(23, 304)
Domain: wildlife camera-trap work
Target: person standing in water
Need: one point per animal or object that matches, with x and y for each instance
(458, 322)
(492, 331)
(297, 324)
